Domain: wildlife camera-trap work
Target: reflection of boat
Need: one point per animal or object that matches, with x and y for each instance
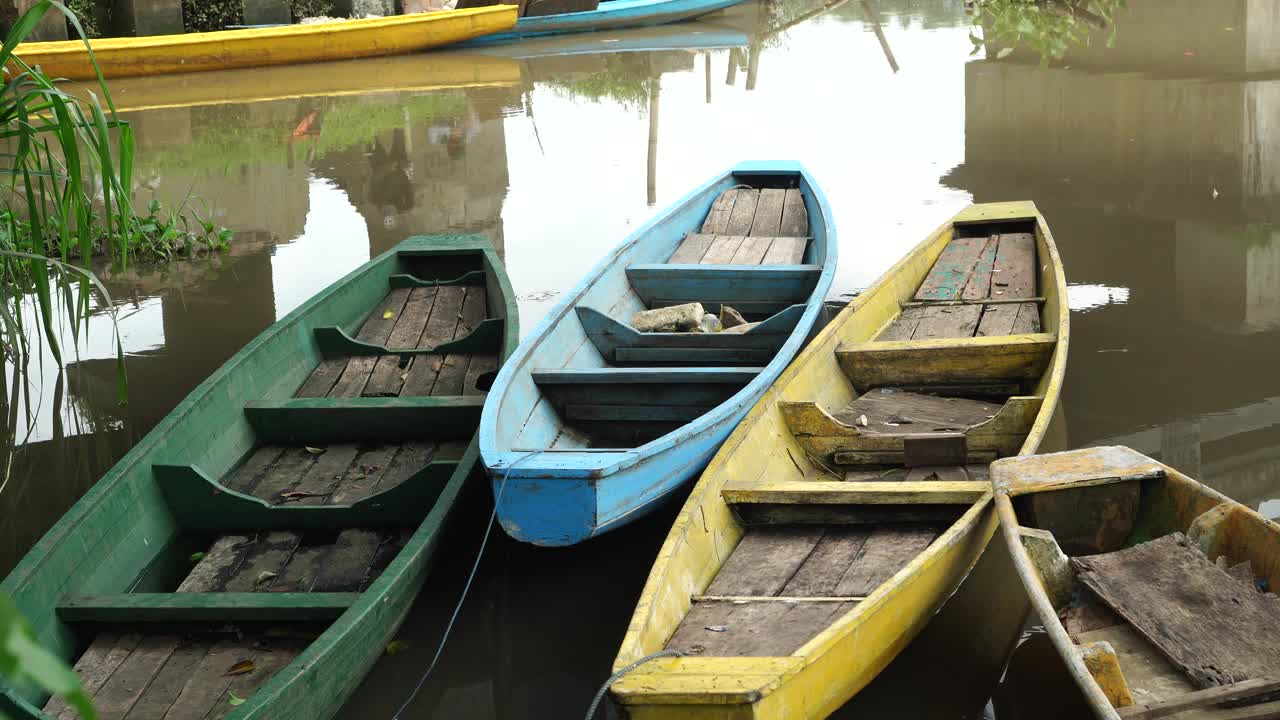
(854, 498)
(441, 71)
(694, 35)
(266, 539)
(256, 47)
(592, 423)
(611, 15)
(1148, 585)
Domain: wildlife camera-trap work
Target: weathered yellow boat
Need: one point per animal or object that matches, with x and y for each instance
(257, 47)
(1149, 588)
(855, 496)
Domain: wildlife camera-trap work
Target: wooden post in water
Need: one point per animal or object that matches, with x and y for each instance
(706, 58)
(753, 63)
(731, 76)
(874, 21)
(652, 170)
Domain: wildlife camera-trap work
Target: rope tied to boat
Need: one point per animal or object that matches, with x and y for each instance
(595, 702)
(466, 588)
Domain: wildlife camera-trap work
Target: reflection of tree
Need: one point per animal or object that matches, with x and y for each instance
(627, 79)
(1050, 27)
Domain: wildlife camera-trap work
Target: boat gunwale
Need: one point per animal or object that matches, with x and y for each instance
(598, 464)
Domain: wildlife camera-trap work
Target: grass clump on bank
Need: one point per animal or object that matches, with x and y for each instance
(65, 198)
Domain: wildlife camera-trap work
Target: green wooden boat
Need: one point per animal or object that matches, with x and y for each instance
(266, 539)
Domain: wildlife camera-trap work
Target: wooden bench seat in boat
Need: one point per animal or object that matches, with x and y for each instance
(641, 394)
(753, 290)
(621, 344)
(875, 428)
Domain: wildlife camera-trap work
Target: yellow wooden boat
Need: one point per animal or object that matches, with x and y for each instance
(257, 47)
(855, 496)
(1079, 525)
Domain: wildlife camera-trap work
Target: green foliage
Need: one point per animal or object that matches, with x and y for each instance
(22, 659)
(1050, 27)
(91, 16)
(208, 15)
(310, 8)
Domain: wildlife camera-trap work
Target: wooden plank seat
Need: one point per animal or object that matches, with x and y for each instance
(754, 291)
(874, 429)
(784, 584)
(625, 407)
(990, 365)
(621, 344)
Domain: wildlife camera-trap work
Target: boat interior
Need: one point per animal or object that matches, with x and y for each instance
(948, 374)
(1176, 579)
(598, 383)
(331, 486)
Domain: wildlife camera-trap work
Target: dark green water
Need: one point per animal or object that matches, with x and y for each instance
(1154, 160)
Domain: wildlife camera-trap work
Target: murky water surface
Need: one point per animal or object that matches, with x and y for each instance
(1153, 158)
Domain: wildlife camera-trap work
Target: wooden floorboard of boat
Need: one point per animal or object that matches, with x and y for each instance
(753, 628)
(1213, 627)
(746, 226)
(385, 374)
(832, 566)
(974, 269)
(768, 216)
(887, 411)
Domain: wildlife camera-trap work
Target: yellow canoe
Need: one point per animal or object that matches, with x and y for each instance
(1098, 501)
(821, 540)
(257, 47)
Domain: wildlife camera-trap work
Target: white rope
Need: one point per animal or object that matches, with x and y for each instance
(497, 499)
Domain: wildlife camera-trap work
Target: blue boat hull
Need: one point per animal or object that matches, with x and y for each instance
(612, 15)
(556, 477)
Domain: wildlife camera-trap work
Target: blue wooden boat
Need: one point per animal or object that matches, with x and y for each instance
(591, 423)
(611, 15)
